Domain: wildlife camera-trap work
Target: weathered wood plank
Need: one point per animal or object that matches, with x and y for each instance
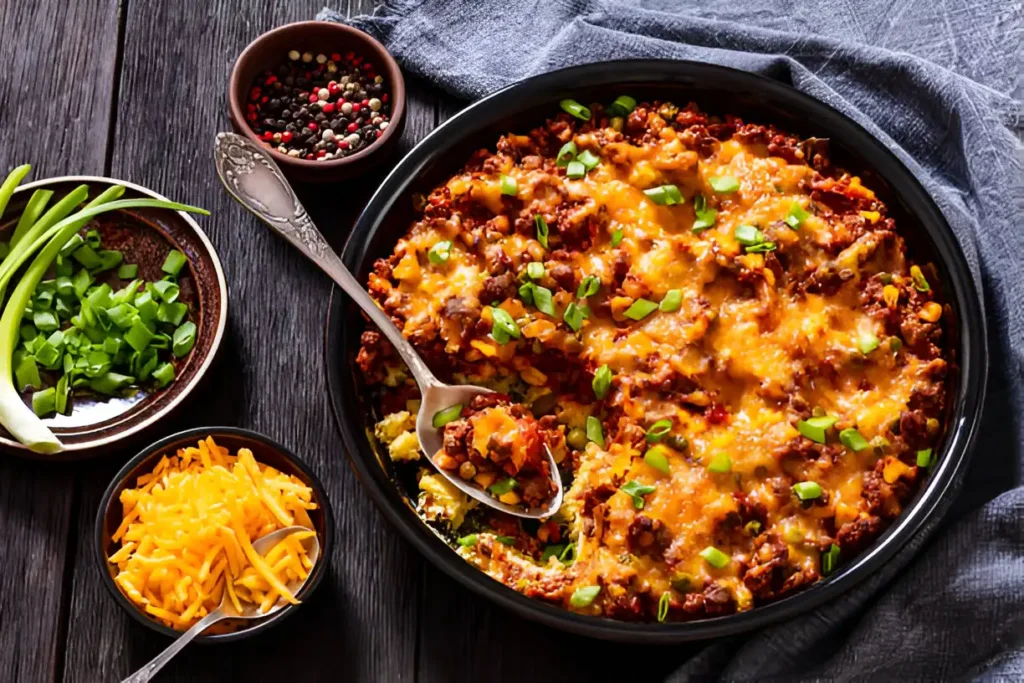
(55, 97)
(362, 623)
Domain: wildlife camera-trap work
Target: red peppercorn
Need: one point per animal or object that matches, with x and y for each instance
(365, 103)
(353, 127)
(310, 157)
(268, 135)
(332, 87)
(254, 94)
(335, 57)
(379, 133)
(367, 66)
(349, 55)
(251, 117)
(342, 145)
(287, 136)
(264, 99)
(312, 126)
(327, 107)
(384, 98)
(356, 107)
(270, 80)
(322, 153)
(313, 98)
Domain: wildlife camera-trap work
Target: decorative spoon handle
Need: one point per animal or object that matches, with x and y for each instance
(255, 181)
(149, 670)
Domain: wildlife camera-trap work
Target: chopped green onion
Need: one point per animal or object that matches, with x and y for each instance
(542, 230)
(584, 596)
(168, 291)
(761, 248)
(594, 431)
(576, 109)
(665, 195)
(925, 458)
(439, 253)
(663, 604)
(128, 271)
(62, 392)
(753, 527)
(506, 540)
(575, 170)
(526, 292)
(814, 428)
(502, 487)
(87, 257)
(568, 556)
(172, 314)
(602, 381)
(588, 159)
(573, 317)
(443, 417)
(109, 258)
(27, 373)
(682, 582)
(622, 106)
(92, 238)
(503, 328)
(48, 355)
(551, 551)
(658, 430)
(640, 309)
(748, 235)
(566, 154)
(535, 270)
(807, 490)
(724, 184)
(164, 375)
(81, 282)
(508, 185)
(617, 238)
(637, 491)
(672, 301)
(73, 244)
(830, 560)
(715, 557)
(45, 321)
(920, 282)
(720, 463)
(657, 457)
(867, 343)
(704, 216)
(44, 402)
(542, 299)
(468, 541)
(138, 336)
(589, 287)
(853, 440)
(796, 216)
(109, 382)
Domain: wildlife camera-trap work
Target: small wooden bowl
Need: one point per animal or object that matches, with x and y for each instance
(144, 236)
(266, 451)
(325, 37)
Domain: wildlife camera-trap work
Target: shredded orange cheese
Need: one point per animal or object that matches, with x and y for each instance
(187, 531)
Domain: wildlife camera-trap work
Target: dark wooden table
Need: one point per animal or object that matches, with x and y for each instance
(135, 89)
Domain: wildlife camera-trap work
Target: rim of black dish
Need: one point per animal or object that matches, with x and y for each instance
(190, 436)
(935, 494)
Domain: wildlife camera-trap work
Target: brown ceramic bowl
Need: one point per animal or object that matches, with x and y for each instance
(266, 451)
(145, 236)
(325, 37)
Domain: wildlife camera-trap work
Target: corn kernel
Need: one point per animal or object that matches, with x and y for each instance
(483, 347)
(871, 216)
(891, 295)
(931, 312)
(532, 375)
(510, 498)
(893, 470)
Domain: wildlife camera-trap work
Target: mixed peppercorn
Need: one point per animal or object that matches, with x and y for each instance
(319, 107)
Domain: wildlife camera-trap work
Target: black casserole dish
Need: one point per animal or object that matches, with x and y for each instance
(717, 91)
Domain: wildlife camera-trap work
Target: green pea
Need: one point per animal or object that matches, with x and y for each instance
(577, 438)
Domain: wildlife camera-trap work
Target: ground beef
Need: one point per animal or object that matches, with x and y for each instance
(499, 288)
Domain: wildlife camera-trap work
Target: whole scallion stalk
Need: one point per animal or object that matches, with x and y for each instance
(19, 419)
(33, 210)
(10, 184)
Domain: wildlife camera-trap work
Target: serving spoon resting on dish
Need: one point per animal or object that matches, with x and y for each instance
(255, 181)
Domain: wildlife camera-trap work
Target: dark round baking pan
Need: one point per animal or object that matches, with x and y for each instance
(718, 90)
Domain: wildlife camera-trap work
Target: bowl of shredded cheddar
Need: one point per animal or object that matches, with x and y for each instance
(175, 529)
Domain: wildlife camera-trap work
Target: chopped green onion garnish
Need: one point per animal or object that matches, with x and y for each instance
(665, 195)
(506, 540)
(588, 159)
(853, 440)
(468, 541)
(504, 328)
(761, 248)
(526, 292)
(92, 238)
(715, 557)
(748, 235)
(920, 282)
(673, 299)
(584, 596)
(576, 109)
(439, 253)
(602, 381)
(508, 185)
(87, 257)
(814, 428)
(594, 431)
(45, 321)
(640, 309)
(663, 604)
(502, 487)
(44, 402)
(807, 490)
(164, 374)
(617, 238)
(128, 271)
(26, 372)
(542, 230)
(724, 184)
(184, 339)
(830, 560)
(566, 154)
(720, 463)
(63, 391)
(796, 216)
(658, 430)
(443, 417)
(171, 314)
(551, 551)
(622, 106)
(637, 491)
(925, 458)
(168, 291)
(575, 170)
(535, 270)
(589, 287)
(753, 527)
(573, 317)
(543, 301)
(657, 457)
(568, 556)
(704, 216)
(109, 382)
(867, 343)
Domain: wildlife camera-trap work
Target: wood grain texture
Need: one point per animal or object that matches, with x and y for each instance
(55, 100)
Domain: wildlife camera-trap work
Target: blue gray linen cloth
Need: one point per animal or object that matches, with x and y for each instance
(938, 82)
